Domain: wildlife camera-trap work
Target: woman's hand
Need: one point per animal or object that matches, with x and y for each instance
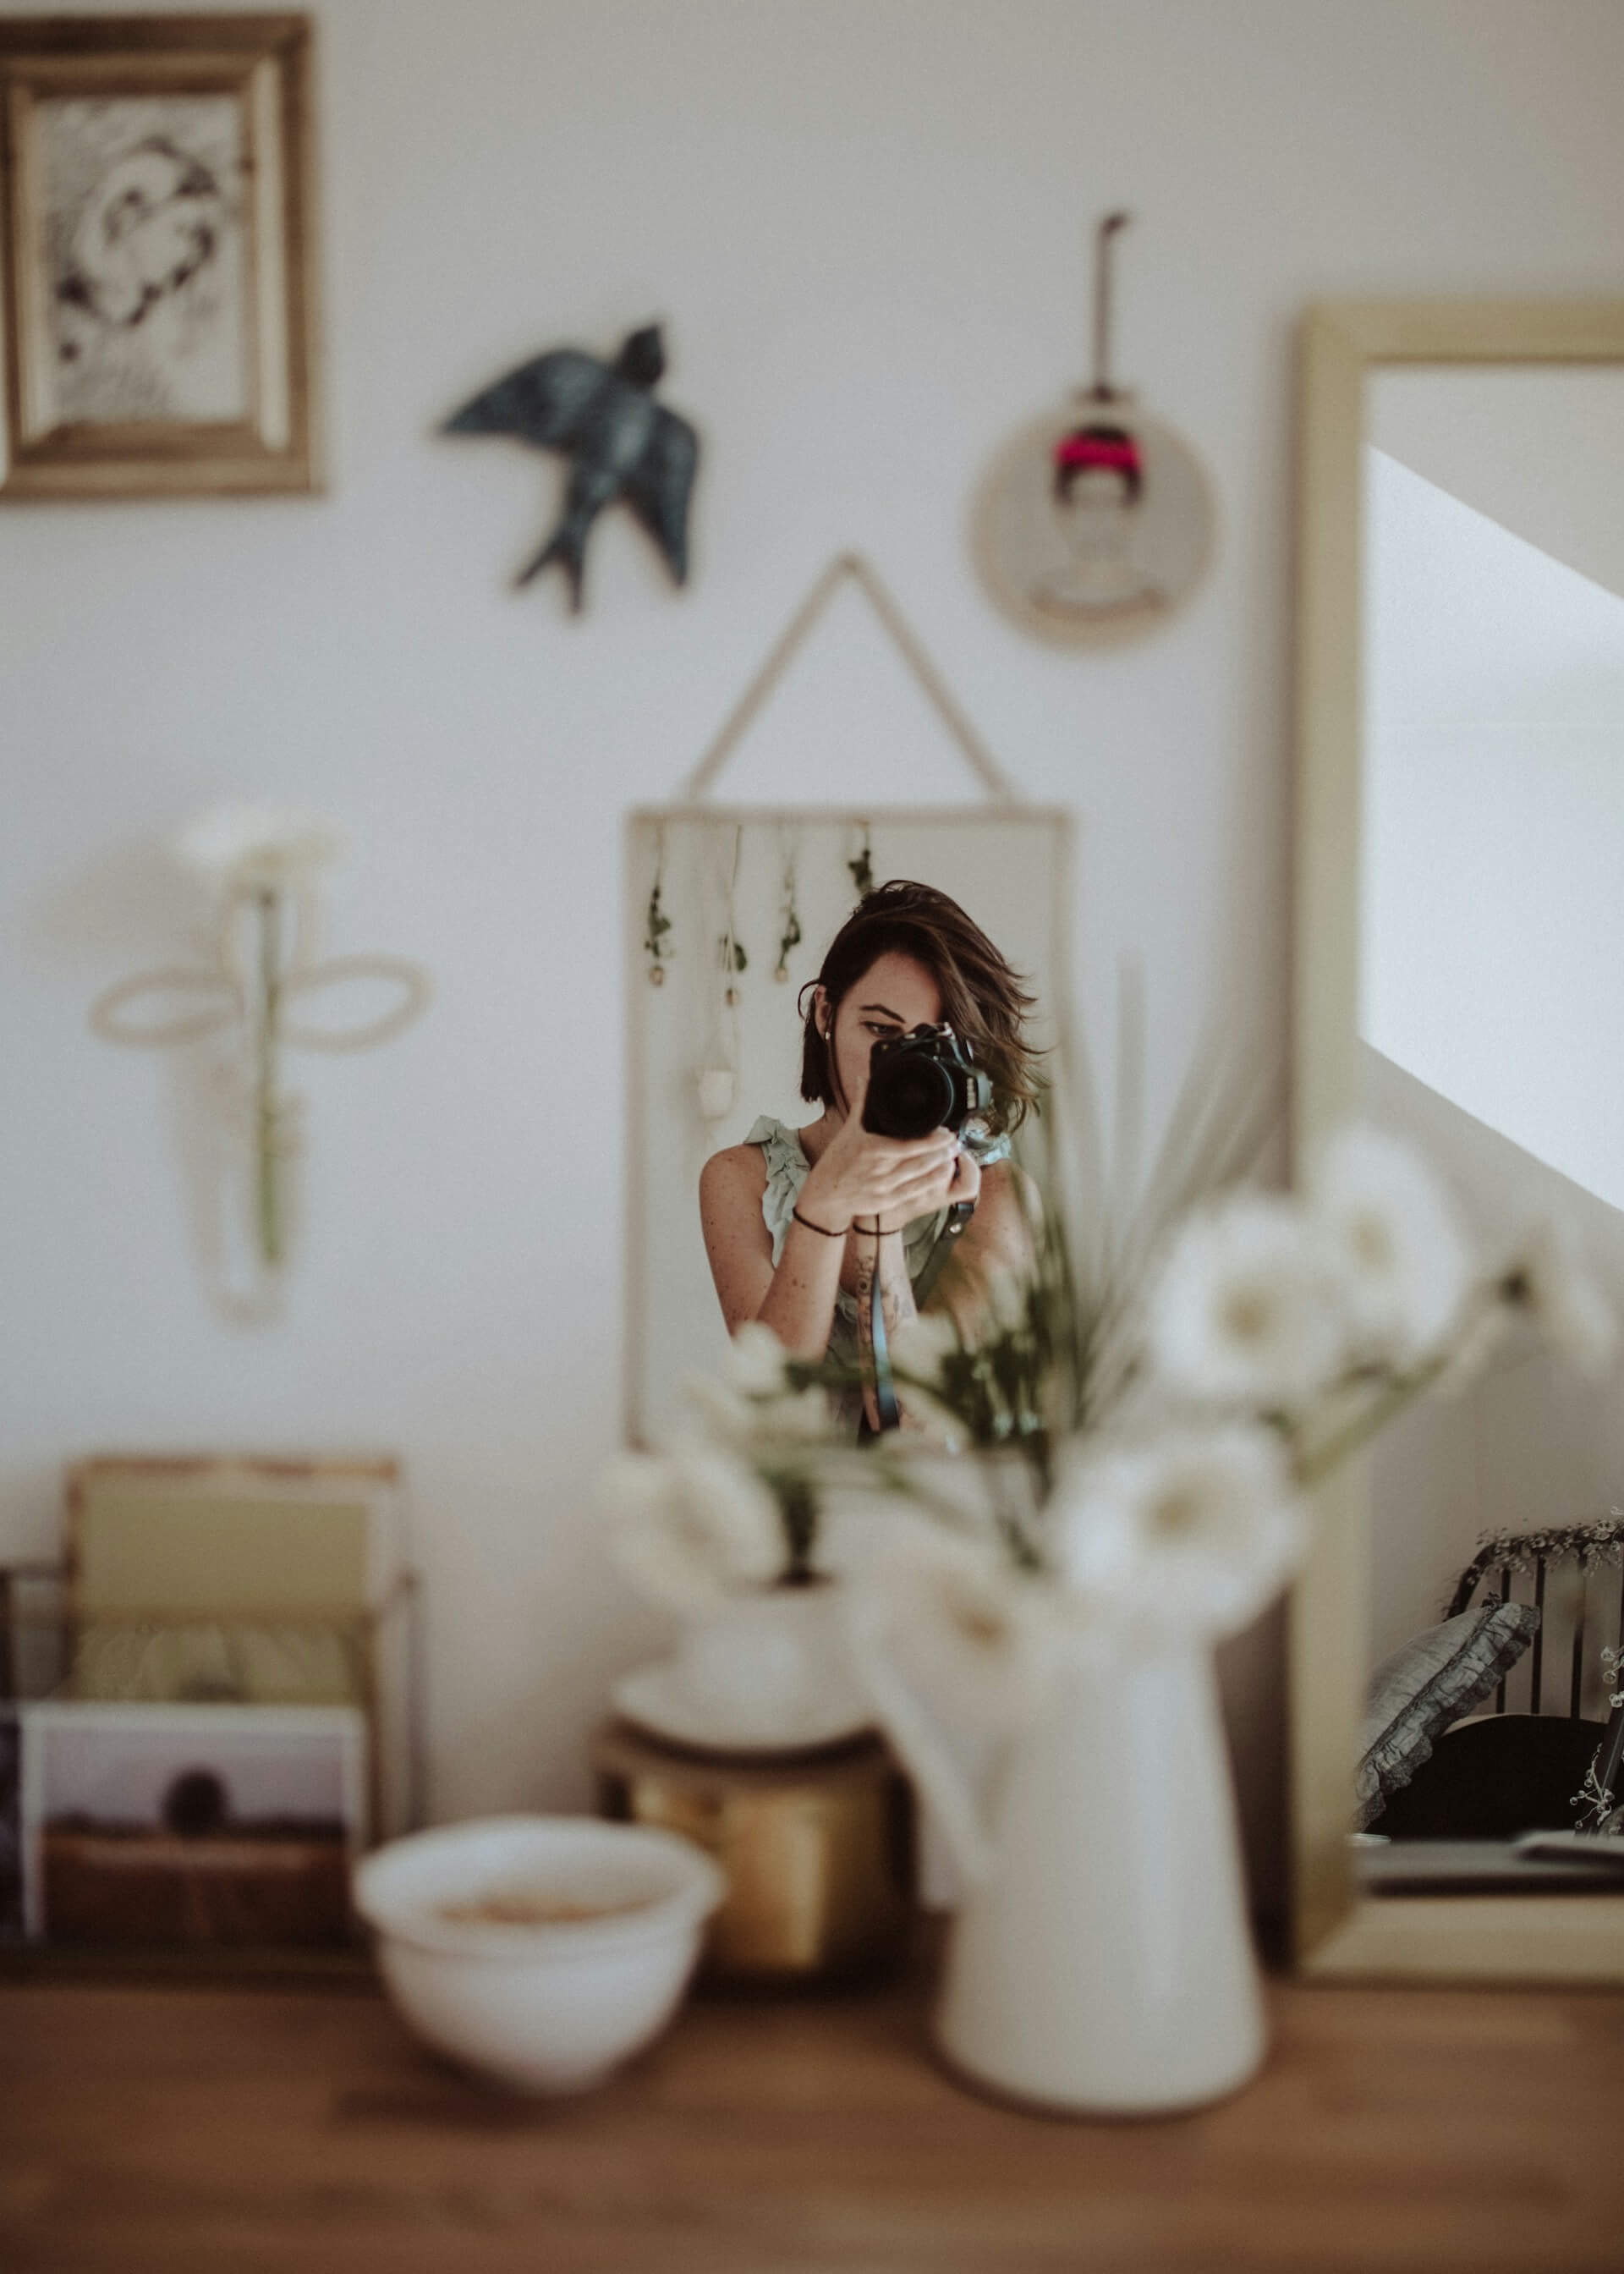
(964, 1183)
(861, 1175)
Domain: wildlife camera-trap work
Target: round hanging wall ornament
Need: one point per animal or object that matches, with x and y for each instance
(1094, 523)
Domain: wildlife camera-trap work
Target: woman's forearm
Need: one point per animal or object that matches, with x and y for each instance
(800, 1302)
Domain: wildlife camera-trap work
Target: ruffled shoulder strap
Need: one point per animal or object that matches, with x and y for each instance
(787, 1170)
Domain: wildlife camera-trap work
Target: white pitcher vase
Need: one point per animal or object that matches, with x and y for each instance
(1101, 1962)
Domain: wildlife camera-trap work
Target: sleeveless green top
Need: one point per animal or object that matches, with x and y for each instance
(922, 1243)
(788, 1171)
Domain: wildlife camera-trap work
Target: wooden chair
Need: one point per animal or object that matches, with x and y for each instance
(1552, 1754)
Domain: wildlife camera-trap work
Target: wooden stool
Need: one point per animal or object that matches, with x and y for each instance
(818, 1849)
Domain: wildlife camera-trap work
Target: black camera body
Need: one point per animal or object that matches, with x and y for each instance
(922, 1081)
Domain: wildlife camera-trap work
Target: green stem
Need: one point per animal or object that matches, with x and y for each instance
(267, 1193)
(1313, 1467)
(1403, 1388)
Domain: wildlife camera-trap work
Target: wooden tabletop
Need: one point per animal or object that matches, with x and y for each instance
(277, 2128)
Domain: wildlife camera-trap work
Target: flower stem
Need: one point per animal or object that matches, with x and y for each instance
(1312, 1467)
(267, 1194)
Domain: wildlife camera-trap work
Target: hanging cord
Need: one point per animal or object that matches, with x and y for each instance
(735, 958)
(732, 959)
(860, 866)
(1102, 390)
(789, 918)
(761, 688)
(656, 923)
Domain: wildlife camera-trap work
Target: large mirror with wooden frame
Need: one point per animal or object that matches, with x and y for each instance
(1459, 930)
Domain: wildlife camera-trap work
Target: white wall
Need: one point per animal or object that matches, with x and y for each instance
(865, 221)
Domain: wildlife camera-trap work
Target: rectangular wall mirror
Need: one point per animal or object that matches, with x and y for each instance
(729, 911)
(1459, 927)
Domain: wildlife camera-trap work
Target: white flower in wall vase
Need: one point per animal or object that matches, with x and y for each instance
(262, 990)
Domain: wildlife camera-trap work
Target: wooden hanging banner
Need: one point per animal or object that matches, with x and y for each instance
(793, 638)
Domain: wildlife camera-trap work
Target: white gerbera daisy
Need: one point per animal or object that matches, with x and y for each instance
(1244, 1310)
(755, 1361)
(1546, 1281)
(1004, 1294)
(691, 1527)
(800, 1417)
(721, 1417)
(256, 845)
(751, 1405)
(1400, 1254)
(920, 1346)
(953, 1615)
(1191, 1534)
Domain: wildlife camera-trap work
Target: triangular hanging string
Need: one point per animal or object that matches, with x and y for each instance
(793, 638)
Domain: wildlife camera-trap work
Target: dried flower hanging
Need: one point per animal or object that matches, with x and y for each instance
(730, 947)
(861, 866)
(716, 1083)
(656, 923)
(789, 921)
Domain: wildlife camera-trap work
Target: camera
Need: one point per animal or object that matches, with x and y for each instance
(923, 1081)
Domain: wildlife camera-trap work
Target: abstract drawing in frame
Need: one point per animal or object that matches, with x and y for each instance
(159, 255)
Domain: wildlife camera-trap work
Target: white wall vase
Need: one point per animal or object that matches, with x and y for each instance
(766, 1671)
(1101, 1962)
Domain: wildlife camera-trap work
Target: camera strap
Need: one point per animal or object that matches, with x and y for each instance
(885, 1388)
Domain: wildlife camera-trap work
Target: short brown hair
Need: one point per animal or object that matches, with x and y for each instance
(984, 1000)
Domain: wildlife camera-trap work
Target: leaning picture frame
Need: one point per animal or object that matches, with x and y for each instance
(156, 218)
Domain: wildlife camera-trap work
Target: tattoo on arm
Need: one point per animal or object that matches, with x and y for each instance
(896, 1304)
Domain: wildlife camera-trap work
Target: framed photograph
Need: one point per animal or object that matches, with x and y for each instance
(159, 248)
(214, 1825)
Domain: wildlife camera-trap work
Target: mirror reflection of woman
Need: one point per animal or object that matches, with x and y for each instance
(798, 1221)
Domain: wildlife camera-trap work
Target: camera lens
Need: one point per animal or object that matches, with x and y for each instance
(909, 1095)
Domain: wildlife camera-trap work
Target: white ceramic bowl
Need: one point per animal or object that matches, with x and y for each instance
(608, 1929)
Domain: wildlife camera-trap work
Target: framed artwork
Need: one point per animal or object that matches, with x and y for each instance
(159, 250)
(158, 1826)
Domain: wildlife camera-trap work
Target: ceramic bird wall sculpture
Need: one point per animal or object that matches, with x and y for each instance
(621, 444)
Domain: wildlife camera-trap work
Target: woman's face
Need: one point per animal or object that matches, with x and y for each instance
(897, 992)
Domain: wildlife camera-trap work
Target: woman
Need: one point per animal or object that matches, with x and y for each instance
(798, 1222)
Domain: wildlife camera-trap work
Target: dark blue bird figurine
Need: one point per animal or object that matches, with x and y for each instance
(620, 441)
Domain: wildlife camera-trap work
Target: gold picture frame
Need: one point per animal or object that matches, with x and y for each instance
(156, 217)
